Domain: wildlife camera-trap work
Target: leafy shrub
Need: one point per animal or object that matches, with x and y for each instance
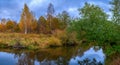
(99, 32)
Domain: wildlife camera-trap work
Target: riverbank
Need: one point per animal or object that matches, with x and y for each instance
(36, 41)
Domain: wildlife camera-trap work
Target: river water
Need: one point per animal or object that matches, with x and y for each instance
(54, 56)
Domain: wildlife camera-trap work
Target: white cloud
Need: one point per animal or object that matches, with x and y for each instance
(110, 15)
(36, 3)
(4, 13)
(73, 11)
(101, 4)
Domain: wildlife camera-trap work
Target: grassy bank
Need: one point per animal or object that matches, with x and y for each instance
(36, 41)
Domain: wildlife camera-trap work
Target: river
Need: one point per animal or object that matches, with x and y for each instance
(54, 56)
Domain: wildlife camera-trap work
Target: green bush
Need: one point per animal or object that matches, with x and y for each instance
(99, 32)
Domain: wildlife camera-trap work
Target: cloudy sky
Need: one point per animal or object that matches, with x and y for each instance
(12, 8)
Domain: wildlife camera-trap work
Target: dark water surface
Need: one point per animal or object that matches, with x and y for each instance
(53, 56)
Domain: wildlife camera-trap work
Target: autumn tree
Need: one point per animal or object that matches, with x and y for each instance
(16, 28)
(1, 28)
(10, 25)
(27, 20)
(42, 25)
(115, 10)
(50, 13)
(2, 25)
(55, 23)
(34, 26)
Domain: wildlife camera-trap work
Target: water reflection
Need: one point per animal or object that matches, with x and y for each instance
(56, 56)
(93, 56)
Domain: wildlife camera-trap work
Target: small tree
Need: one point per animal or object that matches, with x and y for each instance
(3, 25)
(115, 11)
(11, 25)
(42, 25)
(64, 19)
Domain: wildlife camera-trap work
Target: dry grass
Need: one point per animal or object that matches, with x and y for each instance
(58, 38)
(29, 40)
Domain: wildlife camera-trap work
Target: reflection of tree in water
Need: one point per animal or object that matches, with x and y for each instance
(62, 61)
(89, 62)
(60, 56)
(59, 61)
(26, 59)
(96, 48)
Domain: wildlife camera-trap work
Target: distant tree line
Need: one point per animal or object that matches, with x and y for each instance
(29, 24)
(93, 23)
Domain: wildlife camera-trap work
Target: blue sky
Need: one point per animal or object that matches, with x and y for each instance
(12, 8)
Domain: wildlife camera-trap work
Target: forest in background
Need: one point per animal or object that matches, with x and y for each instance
(29, 24)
